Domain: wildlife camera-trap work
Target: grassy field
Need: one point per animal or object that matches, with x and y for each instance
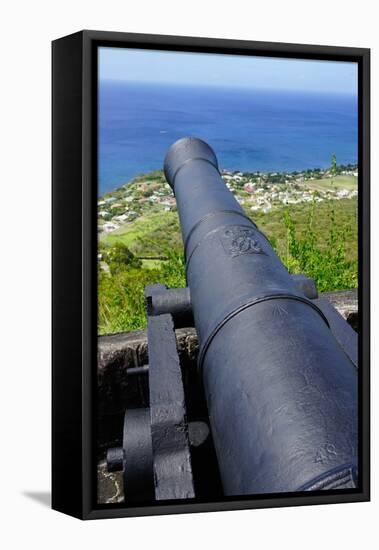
(148, 235)
(338, 182)
(318, 239)
(345, 220)
(153, 235)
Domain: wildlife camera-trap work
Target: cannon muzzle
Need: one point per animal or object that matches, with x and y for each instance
(281, 393)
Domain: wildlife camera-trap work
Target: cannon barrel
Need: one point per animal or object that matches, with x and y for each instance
(281, 393)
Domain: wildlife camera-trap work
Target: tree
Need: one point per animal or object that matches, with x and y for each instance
(119, 256)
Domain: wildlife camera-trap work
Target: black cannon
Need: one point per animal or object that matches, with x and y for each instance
(277, 364)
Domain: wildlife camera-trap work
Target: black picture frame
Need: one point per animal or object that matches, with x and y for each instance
(74, 315)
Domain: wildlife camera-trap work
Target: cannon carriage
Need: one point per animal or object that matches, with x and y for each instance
(276, 378)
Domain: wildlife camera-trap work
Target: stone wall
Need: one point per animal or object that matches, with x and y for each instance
(119, 352)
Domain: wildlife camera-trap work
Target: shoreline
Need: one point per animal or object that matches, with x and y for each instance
(150, 194)
(341, 169)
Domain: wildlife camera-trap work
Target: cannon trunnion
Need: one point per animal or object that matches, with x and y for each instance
(277, 364)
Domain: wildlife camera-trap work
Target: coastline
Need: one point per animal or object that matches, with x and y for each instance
(255, 191)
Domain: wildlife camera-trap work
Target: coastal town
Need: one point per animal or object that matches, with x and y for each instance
(255, 191)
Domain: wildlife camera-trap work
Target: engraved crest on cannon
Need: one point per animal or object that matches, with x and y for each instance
(238, 240)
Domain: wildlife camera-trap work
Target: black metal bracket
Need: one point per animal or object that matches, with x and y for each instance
(155, 457)
(169, 430)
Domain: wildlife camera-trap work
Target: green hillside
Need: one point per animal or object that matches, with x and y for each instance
(339, 182)
(311, 223)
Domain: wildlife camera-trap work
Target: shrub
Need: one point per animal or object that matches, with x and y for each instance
(325, 261)
(118, 256)
(121, 304)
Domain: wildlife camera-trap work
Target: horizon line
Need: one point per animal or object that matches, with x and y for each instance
(227, 87)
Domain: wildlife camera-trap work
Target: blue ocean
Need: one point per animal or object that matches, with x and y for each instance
(249, 130)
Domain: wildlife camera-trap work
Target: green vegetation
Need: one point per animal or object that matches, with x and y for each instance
(318, 218)
(318, 239)
(310, 218)
(121, 293)
(339, 182)
(327, 253)
(151, 234)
